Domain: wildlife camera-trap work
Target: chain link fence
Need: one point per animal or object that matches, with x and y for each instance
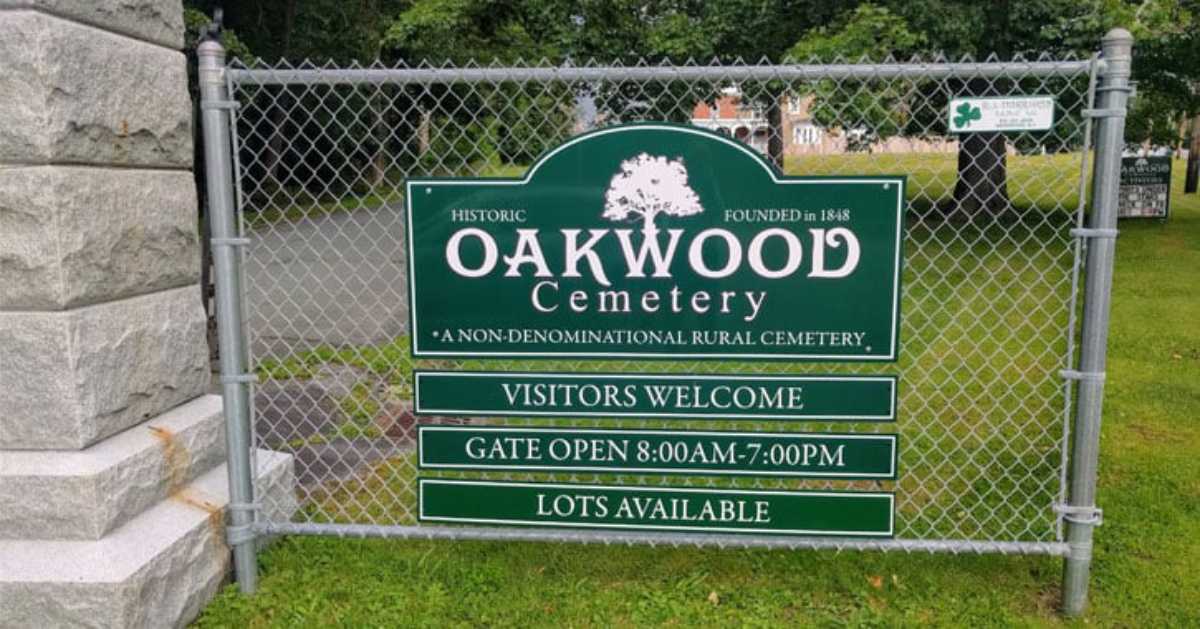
(989, 287)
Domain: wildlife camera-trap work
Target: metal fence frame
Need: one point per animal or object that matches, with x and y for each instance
(1111, 68)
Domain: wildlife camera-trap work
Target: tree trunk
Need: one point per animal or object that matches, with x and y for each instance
(380, 133)
(379, 102)
(1177, 150)
(649, 230)
(1193, 161)
(424, 135)
(982, 173)
(982, 184)
(274, 155)
(775, 130)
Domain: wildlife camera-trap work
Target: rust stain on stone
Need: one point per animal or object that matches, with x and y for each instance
(196, 499)
(215, 519)
(176, 458)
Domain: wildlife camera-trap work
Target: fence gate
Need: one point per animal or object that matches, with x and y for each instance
(1004, 295)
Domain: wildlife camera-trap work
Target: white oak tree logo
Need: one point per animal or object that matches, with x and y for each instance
(646, 186)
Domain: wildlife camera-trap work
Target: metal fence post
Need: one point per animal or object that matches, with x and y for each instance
(214, 111)
(1081, 513)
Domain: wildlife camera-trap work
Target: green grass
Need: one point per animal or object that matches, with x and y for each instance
(1048, 182)
(291, 205)
(1035, 181)
(389, 360)
(1144, 573)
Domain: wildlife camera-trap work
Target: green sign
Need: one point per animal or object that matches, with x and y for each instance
(1145, 187)
(1000, 113)
(505, 394)
(860, 514)
(865, 456)
(655, 241)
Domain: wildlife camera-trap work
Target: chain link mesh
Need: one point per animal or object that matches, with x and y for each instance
(989, 280)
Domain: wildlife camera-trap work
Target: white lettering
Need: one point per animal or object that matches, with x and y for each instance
(821, 238)
(696, 259)
(637, 262)
(575, 253)
(454, 259)
(528, 251)
(794, 253)
(536, 298)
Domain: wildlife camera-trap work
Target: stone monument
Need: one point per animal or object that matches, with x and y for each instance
(112, 475)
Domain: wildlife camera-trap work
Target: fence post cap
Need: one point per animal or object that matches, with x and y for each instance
(210, 48)
(1117, 35)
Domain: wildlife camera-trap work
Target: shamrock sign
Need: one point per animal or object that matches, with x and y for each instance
(966, 113)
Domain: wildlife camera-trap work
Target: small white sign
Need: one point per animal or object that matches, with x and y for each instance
(988, 113)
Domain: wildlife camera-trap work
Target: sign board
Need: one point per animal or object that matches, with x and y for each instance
(655, 241)
(1145, 190)
(671, 396)
(848, 456)
(855, 514)
(1009, 113)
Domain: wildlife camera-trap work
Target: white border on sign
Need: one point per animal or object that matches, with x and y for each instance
(891, 498)
(414, 330)
(419, 408)
(889, 475)
(958, 99)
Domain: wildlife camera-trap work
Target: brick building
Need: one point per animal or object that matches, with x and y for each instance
(747, 121)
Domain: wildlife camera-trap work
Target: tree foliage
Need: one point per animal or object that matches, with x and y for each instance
(1166, 67)
(513, 122)
(607, 31)
(1166, 53)
(340, 31)
(869, 32)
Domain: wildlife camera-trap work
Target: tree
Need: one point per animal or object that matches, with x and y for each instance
(955, 29)
(1006, 29)
(1166, 67)
(743, 30)
(467, 124)
(341, 31)
(646, 186)
(1192, 177)
(623, 31)
(1166, 63)
(870, 32)
(338, 31)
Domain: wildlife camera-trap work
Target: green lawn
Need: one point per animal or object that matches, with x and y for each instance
(1149, 485)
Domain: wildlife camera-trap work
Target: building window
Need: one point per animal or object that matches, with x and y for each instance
(806, 134)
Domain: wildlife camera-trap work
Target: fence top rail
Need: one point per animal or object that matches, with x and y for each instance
(795, 72)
